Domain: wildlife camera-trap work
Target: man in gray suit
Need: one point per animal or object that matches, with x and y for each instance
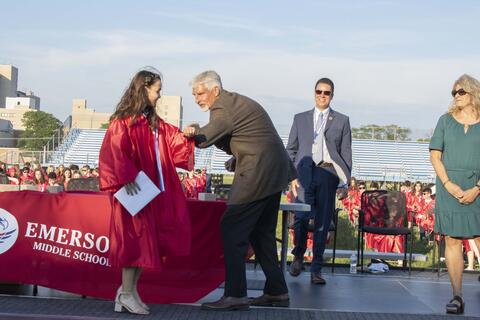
(320, 145)
(241, 127)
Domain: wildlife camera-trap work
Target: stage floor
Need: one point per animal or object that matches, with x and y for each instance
(393, 295)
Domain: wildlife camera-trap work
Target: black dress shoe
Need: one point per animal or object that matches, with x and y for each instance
(296, 267)
(316, 278)
(227, 304)
(267, 300)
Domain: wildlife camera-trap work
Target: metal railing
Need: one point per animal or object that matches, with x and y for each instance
(46, 158)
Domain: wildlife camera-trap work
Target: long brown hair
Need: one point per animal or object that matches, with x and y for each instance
(135, 99)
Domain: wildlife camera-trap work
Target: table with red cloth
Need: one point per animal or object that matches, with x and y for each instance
(62, 242)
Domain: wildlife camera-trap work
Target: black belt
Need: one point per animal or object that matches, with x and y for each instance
(325, 164)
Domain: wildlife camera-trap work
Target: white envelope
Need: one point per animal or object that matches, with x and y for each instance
(136, 202)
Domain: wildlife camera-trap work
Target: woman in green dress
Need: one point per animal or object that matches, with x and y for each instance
(455, 156)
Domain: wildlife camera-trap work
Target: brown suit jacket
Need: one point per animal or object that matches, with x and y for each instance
(241, 127)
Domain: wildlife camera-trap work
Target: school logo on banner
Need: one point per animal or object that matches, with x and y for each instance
(8, 230)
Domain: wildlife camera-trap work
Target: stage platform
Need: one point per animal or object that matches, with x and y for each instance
(393, 295)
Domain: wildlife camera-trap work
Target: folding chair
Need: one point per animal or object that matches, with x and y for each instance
(384, 212)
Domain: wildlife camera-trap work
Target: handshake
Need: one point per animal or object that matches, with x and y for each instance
(191, 130)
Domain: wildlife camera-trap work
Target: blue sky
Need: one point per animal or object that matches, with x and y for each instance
(393, 62)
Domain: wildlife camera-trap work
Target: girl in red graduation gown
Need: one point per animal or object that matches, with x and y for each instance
(39, 180)
(138, 140)
(191, 186)
(351, 203)
(415, 201)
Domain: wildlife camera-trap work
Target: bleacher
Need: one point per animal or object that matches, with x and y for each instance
(373, 160)
(80, 147)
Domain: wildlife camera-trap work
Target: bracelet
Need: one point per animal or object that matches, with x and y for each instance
(444, 183)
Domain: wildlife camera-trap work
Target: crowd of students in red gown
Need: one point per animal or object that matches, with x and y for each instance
(42, 177)
(420, 205)
(193, 182)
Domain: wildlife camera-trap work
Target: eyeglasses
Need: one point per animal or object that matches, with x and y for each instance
(361, 188)
(324, 92)
(461, 92)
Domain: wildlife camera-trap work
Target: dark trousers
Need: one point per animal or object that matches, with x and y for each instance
(322, 192)
(253, 222)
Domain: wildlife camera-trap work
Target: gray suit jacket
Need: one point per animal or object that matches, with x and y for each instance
(241, 127)
(338, 139)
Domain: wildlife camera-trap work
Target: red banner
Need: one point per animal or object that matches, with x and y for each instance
(61, 241)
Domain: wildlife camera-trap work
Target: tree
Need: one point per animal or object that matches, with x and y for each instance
(104, 125)
(40, 126)
(376, 132)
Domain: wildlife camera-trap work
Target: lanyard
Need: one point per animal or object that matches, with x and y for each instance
(159, 162)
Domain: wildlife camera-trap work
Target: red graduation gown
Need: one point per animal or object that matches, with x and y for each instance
(162, 228)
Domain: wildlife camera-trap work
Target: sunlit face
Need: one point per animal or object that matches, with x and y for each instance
(323, 95)
(418, 187)
(76, 175)
(68, 174)
(204, 97)
(361, 188)
(38, 175)
(50, 169)
(353, 183)
(153, 92)
(462, 101)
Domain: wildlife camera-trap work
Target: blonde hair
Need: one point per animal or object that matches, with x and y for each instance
(470, 85)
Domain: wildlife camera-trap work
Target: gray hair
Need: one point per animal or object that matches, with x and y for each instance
(209, 78)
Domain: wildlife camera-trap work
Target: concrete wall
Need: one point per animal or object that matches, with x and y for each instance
(29, 102)
(15, 116)
(170, 109)
(86, 118)
(8, 82)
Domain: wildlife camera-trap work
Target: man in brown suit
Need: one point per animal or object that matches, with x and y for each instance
(241, 127)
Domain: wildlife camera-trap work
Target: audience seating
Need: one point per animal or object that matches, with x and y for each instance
(373, 160)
